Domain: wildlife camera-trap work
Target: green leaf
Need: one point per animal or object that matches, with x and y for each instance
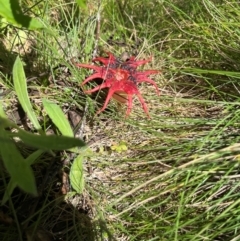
(51, 142)
(12, 185)
(15, 164)
(82, 3)
(58, 118)
(20, 86)
(76, 174)
(8, 192)
(33, 157)
(4, 122)
(12, 12)
(2, 112)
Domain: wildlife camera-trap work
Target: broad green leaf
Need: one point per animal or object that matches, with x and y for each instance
(51, 142)
(58, 118)
(76, 174)
(6, 123)
(12, 12)
(2, 112)
(15, 164)
(82, 3)
(33, 157)
(20, 86)
(12, 185)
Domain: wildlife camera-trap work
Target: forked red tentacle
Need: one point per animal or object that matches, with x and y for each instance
(94, 76)
(150, 82)
(133, 62)
(106, 61)
(88, 66)
(110, 94)
(102, 86)
(144, 106)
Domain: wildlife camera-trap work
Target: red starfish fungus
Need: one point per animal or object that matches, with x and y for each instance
(120, 76)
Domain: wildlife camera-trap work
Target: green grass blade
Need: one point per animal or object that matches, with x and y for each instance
(20, 86)
(58, 118)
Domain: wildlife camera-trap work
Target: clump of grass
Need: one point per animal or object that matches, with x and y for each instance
(179, 183)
